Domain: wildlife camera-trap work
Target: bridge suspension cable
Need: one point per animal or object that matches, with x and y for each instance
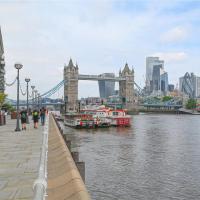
(53, 90)
(140, 91)
(59, 85)
(23, 93)
(12, 83)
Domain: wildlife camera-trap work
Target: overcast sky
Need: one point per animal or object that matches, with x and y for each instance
(100, 35)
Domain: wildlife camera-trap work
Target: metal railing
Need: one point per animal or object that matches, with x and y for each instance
(40, 184)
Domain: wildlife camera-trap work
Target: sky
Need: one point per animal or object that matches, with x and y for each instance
(101, 36)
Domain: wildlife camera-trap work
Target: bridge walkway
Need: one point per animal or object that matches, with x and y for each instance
(19, 160)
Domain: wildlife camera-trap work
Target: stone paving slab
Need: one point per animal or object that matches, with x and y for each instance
(19, 160)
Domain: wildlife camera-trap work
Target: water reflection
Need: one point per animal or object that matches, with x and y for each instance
(157, 158)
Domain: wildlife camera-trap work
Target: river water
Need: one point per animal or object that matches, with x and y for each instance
(157, 158)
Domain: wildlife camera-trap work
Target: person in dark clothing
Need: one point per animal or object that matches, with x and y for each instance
(42, 115)
(35, 118)
(23, 115)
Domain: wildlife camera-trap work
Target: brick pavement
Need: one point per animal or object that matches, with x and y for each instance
(19, 160)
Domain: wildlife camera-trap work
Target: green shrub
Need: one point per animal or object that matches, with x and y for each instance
(191, 104)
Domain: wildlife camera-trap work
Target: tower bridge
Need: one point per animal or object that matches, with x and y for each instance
(72, 76)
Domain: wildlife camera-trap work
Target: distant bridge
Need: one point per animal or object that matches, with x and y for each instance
(177, 106)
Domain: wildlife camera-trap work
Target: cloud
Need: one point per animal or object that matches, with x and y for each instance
(174, 35)
(171, 56)
(100, 35)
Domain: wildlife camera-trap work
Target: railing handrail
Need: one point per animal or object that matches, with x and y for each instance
(40, 184)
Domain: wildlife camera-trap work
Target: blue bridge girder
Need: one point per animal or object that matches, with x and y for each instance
(42, 104)
(162, 105)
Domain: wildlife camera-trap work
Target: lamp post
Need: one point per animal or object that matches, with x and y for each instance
(32, 87)
(38, 101)
(27, 81)
(35, 103)
(18, 66)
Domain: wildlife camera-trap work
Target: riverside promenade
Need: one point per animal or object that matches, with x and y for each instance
(19, 160)
(24, 162)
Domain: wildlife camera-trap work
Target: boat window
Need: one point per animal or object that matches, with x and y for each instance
(115, 113)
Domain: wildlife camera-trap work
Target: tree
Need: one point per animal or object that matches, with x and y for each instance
(166, 98)
(2, 99)
(8, 107)
(191, 104)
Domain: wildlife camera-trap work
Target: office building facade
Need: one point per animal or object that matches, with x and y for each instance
(189, 84)
(159, 83)
(170, 87)
(150, 63)
(106, 87)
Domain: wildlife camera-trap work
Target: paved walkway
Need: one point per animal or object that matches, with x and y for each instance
(19, 160)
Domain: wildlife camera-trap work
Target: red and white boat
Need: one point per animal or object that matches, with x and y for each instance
(119, 118)
(108, 116)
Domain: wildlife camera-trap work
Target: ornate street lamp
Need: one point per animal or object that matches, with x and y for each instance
(27, 81)
(18, 66)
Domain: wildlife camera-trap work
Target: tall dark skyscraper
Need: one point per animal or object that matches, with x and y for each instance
(159, 83)
(150, 63)
(106, 88)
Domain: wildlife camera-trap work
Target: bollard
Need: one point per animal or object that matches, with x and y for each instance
(68, 143)
(75, 156)
(81, 169)
(65, 138)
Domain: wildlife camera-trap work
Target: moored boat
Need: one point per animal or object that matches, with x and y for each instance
(100, 117)
(116, 117)
(78, 120)
(119, 118)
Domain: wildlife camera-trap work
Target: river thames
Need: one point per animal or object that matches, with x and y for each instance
(157, 158)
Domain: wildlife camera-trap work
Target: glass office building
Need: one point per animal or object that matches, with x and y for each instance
(106, 87)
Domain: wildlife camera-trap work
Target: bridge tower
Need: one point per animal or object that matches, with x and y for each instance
(126, 87)
(71, 86)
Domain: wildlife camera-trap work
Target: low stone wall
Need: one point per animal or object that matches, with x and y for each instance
(64, 180)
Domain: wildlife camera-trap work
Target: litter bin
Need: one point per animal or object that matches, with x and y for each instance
(13, 115)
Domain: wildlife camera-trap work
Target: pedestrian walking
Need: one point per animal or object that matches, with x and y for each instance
(23, 115)
(43, 115)
(35, 118)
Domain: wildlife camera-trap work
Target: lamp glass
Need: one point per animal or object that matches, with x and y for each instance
(18, 65)
(27, 79)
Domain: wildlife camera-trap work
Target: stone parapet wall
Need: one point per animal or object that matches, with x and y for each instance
(64, 180)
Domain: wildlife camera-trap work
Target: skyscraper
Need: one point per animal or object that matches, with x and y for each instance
(170, 87)
(150, 63)
(2, 65)
(189, 84)
(164, 82)
(106, 88)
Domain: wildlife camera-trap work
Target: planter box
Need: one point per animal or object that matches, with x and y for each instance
(13, 115)
(2, 119)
